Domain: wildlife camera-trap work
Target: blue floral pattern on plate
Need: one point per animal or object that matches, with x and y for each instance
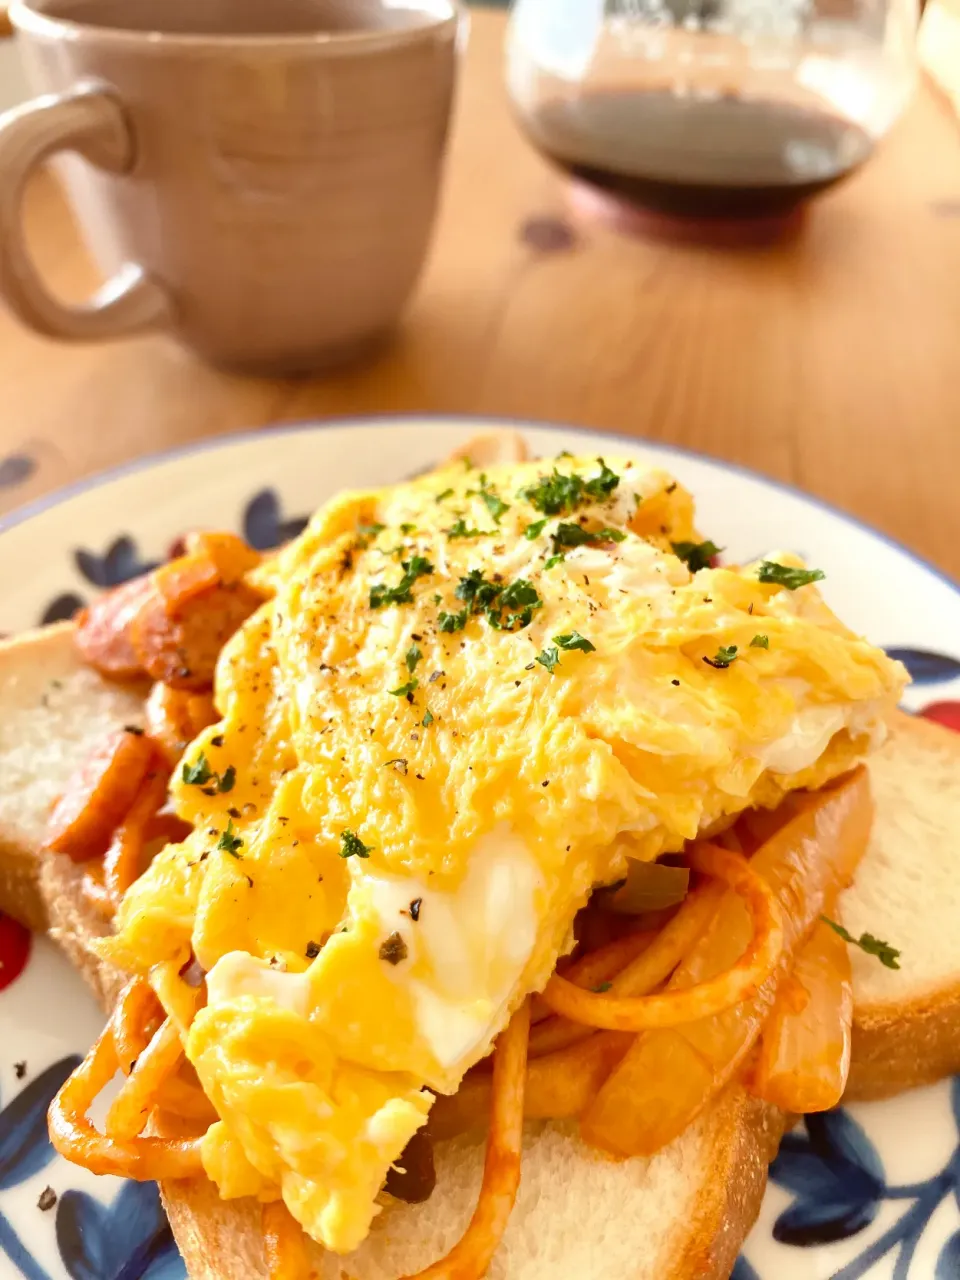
(128, 1239)
(119, 563)
(838, 1182)
(926, 667)
(25, 1150)
(263, 525)
(836, 1177)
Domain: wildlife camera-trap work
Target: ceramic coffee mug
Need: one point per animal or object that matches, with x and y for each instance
(259, 177)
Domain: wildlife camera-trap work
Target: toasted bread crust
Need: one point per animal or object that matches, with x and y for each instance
(74, 924)
(20, 893)
(729, 1204)
(911, 1035)
(904, 1046)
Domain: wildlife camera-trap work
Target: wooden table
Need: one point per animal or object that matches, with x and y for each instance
(831, 361)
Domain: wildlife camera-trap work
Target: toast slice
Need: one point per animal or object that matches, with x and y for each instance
(579, 1216)
(907, 1021)
(54, 709)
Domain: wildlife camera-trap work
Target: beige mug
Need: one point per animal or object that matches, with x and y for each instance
(258, 177)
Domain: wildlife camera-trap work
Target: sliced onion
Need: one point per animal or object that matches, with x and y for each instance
(649, 886)
(805, 1048)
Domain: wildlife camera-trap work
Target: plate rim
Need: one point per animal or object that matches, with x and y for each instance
(64, 493)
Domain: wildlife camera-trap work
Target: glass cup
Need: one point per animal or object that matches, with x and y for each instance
(711, 108)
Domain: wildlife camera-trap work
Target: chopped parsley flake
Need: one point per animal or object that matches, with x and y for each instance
(351, 846)
(405, 690)
(476, 592)
(574, 640)
(552, 560)
(603, 483)
(366, 532)
(507, 608)
(783, 576)
(515, 607)
(602, 987)
(406, 528)
(198, 773)
(427, 720)
(696, 555)
(549, 658)
(534, 530)
(726, 654)
(452, 621)
(229, 841)
(492, 501)
(574, 535)
(887, 955)
(558, 494)
(414, 568)
(413, 657)
(460, 529)
(442, 497)
(760, 642)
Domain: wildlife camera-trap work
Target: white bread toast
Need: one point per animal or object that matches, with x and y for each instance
(683, 1214)
(907, 891)
(693, 1204)
(54, 710)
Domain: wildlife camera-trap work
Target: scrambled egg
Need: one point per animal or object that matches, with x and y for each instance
(470, 699)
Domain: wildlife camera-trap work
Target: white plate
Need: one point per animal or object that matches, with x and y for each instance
(869, 1191)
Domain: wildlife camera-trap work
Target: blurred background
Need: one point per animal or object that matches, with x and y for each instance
(569, 277)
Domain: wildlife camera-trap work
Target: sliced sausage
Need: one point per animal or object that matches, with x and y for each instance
(233, 557)
(182, 651)
(176, 716)
(103, 629)
(180, 580)
(99, 795)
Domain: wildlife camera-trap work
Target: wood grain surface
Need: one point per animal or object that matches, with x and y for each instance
(829, 360)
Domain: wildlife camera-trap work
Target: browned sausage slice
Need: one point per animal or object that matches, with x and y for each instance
(103, 630)
(176, 716)
(98, 796)
(182, 651)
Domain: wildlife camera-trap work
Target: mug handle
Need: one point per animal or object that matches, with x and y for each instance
(90, 121)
